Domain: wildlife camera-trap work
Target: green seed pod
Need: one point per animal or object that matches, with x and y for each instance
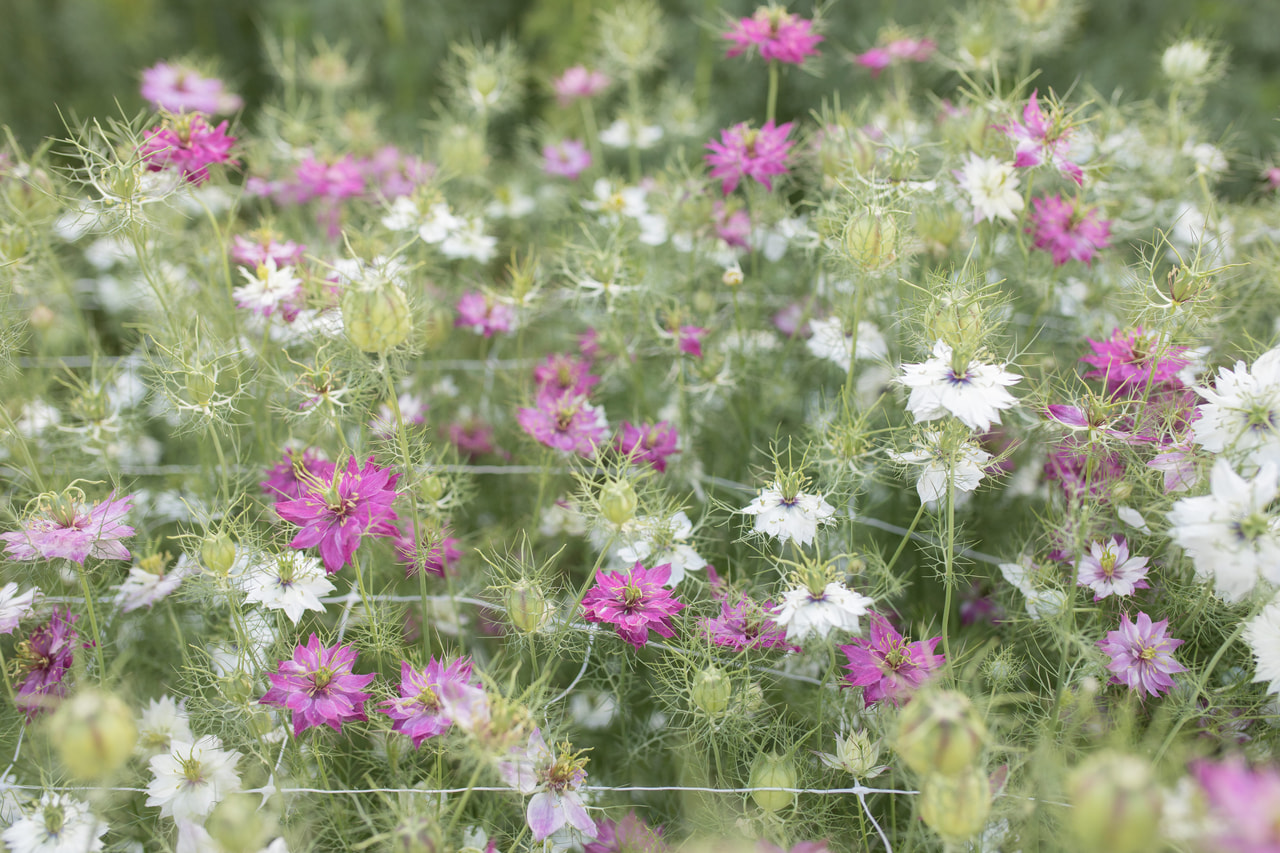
(218, 553)
(526, 607)
(1116, 804)
(618, 502)
(956, 807)
(771, 770)
(238, 825)
(376, 319)
(711, 690)
(94, 734)
(871, 241)
(940, 733)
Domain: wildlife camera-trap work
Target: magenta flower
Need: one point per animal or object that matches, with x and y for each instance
(1082, 468)
(888, 667)
(389, 174)
(579, 82)
(689, 340)
(651, 443)
(562, 375)
(1243, 805)
(289, 478)
(629, 835)
(1109, 570)
(418, 713)
(1066, 231)
(567, 158)
(1040, 139)
(779, 36)
(338, 512)
(473, 437)
(483, 315)
(181, 90)
(553, 779)
(337, 180)
(569, 424)
(1179, 466)
(746, 625)
(318, 686)
(633, 601)
(43, 661)
(440, 557)
(733, 227)
(1141, 654)
(190, 146)
(65, 527)
(877, 59)
(746, 152)
(263, 247)
(1130, 361)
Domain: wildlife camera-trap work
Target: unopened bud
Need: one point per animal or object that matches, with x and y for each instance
(526, 607)
(377, 319)
(940, 733)
(771, 770)
(956, 807)
(732, 276)
(618, 502)
(1121, 491)
(871, 241)
(711, 690)
(432, 488)
(1115, 804)
(1186, 62)
(42, 317)
(94, 733)
(218, 553)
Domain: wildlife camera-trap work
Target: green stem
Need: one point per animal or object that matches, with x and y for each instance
(93, 621)
(462, 803)
(905, 539)
(770, 110)
(402, 437)
(592, 132)
(633, 101)
(949, 565)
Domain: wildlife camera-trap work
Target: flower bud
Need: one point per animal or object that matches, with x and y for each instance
(771, 770)
(1186, 62)
(94, 734)
(856, 754)
(618, 502)
(1121, 491)
(432, 488)
(732, 276)
(42, 318)
(871, 241)
(218, 553)
(956, 807)
(238, 825)
(526, 606)
(1116, 804)
(940, 733)
(377, 319)
(711, 690)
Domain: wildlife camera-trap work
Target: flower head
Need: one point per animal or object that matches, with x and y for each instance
(334, 180)
(15, 606)
(778, 35)
(562, 375)
(58, 823)
(689, 340)
(877, 59)
(789, 514)
(267, 287)
(992, 186)
(744, 624)
(66, 527)
(188, 145)
(634, 601)
(579, 82)
(831, 341)
(973, 392)
(44, 659)
(1131, 361)
(181, 90)
(1262, 634)
(804, 612)
(418, 713)
(291, 582)
(337, 512)
(318, 686)
(192, 778)
(569, 424)
(1109, 570)
(1042, 138)
(1243, 805)
(567, 158)
(1142, 654)
(441, 554)
(1067, 230)
(553, 779)
(651, 443)
(887, 666)
(483, 315)
(744, 152)
(1242, 411)
(290, 478)
(628, 835)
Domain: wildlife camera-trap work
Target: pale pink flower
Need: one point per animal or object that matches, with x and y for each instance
(553, 779)
(66, 527)
(579, 82)
(778, 35)
(567, 158)
(1108, 569)
(178, 90)
(1041, 138)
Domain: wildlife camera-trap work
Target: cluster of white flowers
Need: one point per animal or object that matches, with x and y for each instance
(632, 202)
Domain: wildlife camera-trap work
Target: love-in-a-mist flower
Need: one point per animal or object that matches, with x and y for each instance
(290, 478)
(1242, 411)
(1042, 138)
(192, 778)
(15, 606)
(888, 667)
(188, 145)
(317, 684)
(1262, 635)
(58, 823)
(1142, 655)
(442, 552)
(1231, 534)
(633, 601)
(877, 59)
(1067, 229)
(804, 612)
(262, 246)
(152, 580)
(177, 90)
(974, 392)
(160, 724)
(1108, 569)
(1243, 805)
(483, 315)
(661, 540)
(579, 82)
(789, 515)
(992, 187)
(44, 659)
(336, 514)
(1131, 361)
(66, 526)
(266, 287)
(744, 624)
(831, 340)
(745, 152)
(332, 180)
(290, 581)
(944, 464)
(553, 778)
(417, 712)
(652, 443)
(569, 424)
(689, 340)
(561, 374)
(628, 835)
(777, 34)
(567, 158)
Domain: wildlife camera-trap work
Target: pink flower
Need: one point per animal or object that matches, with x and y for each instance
(473, 437)
(337, 512)
(1272, 176)
(1142, 655)
(567, 158)
(563, 375)
(180, 90)
(733, 227)
(1179, 466)
(746, 625)
(877, 59)
(289, 479)
(262, 248)
(418, 713)
(589, 343)
(442, 553)
(886, 666)
(483, 315)
(43, 661)
(779, 36)
(65, 527)
(1243, 805)
(629, 835)
(633, 601)
(689, 339)
(1040, 139)
(1109, 570)
(189, 145)
(1130, 361)
(1082, 469)
(318, 686)
(651, 443)
(744, 151)
(568, 423)
(579, 82)
(337, 180)
(1066, 231)
(390, 174)
(553, 779)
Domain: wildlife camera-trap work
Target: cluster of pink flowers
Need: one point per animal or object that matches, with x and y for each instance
(176, 89)
(778, 35)
(317, 684)
(1040, 138)
(66, 527)
(1066, 230)
(633, 601)
(484, 315)
(745, 152)
(877, 59)
(888, 667)
(189, 145)
(1142, 654)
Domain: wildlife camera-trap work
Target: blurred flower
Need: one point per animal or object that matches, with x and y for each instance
(337, 512)
(1142, 654)
(148, 582)
(689, 340)
(651, 443)
(564, 375)
(162, 722)
(1109, 570)
(744, 624)
(567, 158)
(1131, 361)
(961, 468)
(553, 779)
(192, 778)
(661, 541)
(804, 613)
(830, 341)
(268, 287)
(1243, 805)
(442, 554)
(44, 659)
(1262, 634)
(1041, 139)
(264, 247)
(58, 823)
(992, 187)
(65, 527)
(178, 90)
(1066, 230)
(1242, 411)
(569, 424)
(579, 82)
(417, 712)
(974, 393)
(483, 315)
(877, 59)
(886, 666)
(633, 601)
(334, 180)
(628, 835)
(779, 36)
(15, 607)
(189, 145)
(746, 152)
(319, 687)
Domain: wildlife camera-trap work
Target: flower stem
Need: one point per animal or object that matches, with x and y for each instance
(905, 539)
(948, 566)
(93, 621)
(770, 110)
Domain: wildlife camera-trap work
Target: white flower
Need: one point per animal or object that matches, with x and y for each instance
(992, 186)
(1263, 636)
(14, 607)
(965, 467)
(510, 203)
(403, 215)
(832, 342)
(289, 581)
(192, 778)
(975, 393)
(470, 241)
(1041, 603)
(163, 721)
(1243, 411)
(836, 608)
(439, 224)
(144, 588)
(1229, 533)
(1186, 61)
(36, 417)
(794, 518)
(632, 202)
(267, 287)
(655, 542)
(620, 134)
(562, 518)
(1133, 518)
(1209, 159)
(57, 824)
